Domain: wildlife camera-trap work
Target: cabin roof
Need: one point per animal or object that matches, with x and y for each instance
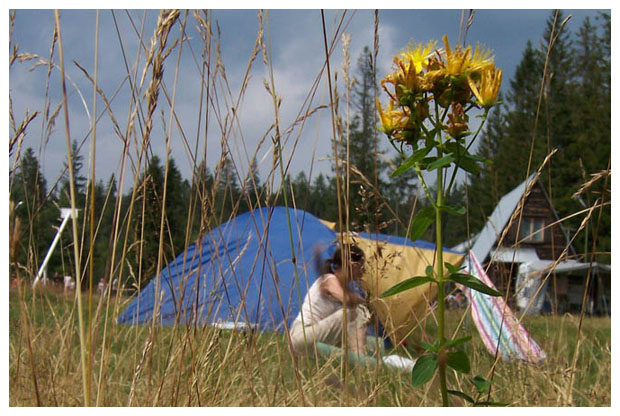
(498, 219)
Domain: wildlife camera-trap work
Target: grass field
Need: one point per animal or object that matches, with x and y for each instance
(197, 366)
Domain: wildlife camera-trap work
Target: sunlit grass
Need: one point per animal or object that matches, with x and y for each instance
(203, 366)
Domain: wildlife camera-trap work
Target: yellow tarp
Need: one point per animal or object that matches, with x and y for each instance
(329, 224)
(388, 264)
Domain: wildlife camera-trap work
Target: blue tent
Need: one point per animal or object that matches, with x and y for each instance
(240, 274)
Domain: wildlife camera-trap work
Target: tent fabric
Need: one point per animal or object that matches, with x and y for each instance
(390, 260)
(242, 275)
(497, 325)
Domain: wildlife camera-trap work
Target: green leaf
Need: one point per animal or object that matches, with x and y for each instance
(459, 361)
(457, 212)
(495, 404)
(473, 283)
(423, 369)
(469, 164)
(430, 271)
(430, 347)
(441, 162)
(482, 386)
(426, 161)
(410, 162)
(478, 158)
(451, 268)
(455, 147)
(462, 395)
(457, 341)
(407, 284)
(422, 220)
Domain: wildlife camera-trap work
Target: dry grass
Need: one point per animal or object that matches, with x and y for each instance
(65, 353)
(202, 366)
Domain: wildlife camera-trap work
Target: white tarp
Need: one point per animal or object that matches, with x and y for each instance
(532, 275)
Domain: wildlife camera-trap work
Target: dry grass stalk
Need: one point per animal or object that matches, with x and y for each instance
(203, 366)
(595, 178)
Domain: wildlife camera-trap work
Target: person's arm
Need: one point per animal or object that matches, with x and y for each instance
(332, 287)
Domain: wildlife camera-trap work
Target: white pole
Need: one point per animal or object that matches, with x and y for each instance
(65, 213)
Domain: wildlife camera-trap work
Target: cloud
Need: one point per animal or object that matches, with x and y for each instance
(295, 38)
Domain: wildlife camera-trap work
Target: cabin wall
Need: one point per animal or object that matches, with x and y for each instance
(565, 293)
(553, 241)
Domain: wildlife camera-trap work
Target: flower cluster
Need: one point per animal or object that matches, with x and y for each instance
(455, 79)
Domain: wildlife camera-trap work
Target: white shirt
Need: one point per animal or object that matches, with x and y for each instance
(317, 306)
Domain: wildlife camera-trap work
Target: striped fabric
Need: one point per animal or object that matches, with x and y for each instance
(514, 340)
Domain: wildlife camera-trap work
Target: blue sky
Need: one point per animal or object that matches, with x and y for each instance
(296, 44)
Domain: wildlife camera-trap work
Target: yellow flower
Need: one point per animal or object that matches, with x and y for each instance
(457, 60)
(417, 55)
(488, 86)
(481, 60)
(405, 76)
(391, 119)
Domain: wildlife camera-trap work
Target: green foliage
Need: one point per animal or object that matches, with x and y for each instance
(363, 153)
(422, 220)
(407, 284)
(574, 116)
(152, 217)
(472, 282)
(459, 361)
(420, 82)
(35, 209)
(423, 370)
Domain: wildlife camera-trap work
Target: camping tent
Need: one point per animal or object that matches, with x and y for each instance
(243, 274)
(240, 274)
(390, 260)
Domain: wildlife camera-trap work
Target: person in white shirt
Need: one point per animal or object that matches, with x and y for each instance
(330, 306)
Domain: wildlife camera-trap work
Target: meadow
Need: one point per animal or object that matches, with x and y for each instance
(67, 350)
(203, 366)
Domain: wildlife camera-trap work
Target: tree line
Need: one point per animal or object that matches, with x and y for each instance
(574, 116)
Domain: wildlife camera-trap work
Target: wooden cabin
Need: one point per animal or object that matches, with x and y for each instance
(527, 253)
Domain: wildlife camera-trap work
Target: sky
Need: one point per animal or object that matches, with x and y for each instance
(295, 40)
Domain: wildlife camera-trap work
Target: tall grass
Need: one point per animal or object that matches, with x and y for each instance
(203, 366)
(66, 352)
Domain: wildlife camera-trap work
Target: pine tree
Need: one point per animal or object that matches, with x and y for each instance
(36, 212)
(77, 162)
(228, 191)
(400, 193)
(486, 189)
(301, 191)
(250, 189)
(322, 199)
(590, 147)
(574, 117)
(366, 209)
(149, 212)
(201, 199)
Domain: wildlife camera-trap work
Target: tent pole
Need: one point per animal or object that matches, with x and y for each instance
(65, 214)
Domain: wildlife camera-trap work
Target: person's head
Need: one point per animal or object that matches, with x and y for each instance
(346, 254)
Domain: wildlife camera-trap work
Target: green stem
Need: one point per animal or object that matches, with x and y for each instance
(440, 280)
